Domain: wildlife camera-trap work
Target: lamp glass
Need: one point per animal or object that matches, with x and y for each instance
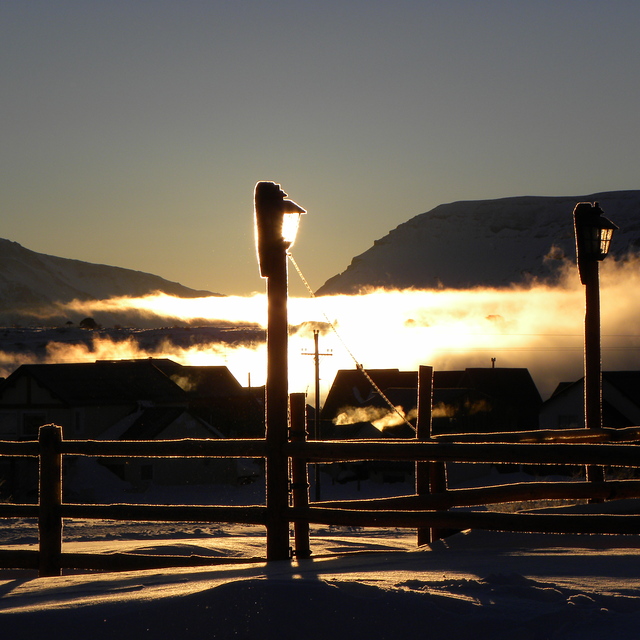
(290, 222)
(596, 240)
(605, 241)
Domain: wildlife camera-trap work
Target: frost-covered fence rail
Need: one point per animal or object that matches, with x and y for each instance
(427, 510)
(50, 510)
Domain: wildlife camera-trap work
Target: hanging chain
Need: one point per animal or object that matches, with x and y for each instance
(344, 344)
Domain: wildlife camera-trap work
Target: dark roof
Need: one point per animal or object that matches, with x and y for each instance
(511, 392)
(447, 379)
(103, 382)
(207, 382)
(627, 382)
(502, 383)
(561, 387)
(351, 388)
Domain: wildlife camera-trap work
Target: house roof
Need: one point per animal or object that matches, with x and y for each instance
(627, 383)
(103, 382)
(504, 383)
(511, 392)
(351, 388)
(207, 381)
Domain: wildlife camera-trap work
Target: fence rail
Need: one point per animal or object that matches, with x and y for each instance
(426, 511)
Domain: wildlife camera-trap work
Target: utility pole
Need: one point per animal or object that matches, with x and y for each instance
(316, 420)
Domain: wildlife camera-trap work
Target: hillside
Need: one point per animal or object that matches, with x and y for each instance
(484, 243)
(30, 280)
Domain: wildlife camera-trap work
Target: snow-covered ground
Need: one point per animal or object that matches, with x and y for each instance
(360, 583)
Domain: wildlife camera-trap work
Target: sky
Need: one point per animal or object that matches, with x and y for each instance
(133, 132)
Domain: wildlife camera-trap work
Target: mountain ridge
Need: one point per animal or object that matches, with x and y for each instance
(30, 279)
(495, 242)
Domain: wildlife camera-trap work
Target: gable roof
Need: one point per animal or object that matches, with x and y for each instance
(351, 388)
(103, 382)
(206, 381)
(504, 383)
(617, 410)
(512, 394)
(627, 382)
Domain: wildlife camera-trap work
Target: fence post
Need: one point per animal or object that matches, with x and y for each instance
(299, 475)
(431, 477)
(423, 432)
(50, 501)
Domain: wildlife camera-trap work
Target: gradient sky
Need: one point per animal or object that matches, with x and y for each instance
(133, 132)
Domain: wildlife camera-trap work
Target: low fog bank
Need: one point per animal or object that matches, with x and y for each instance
(538, 326)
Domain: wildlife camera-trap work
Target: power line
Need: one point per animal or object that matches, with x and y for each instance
(377, 389)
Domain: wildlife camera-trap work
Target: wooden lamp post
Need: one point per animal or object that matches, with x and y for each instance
(593, 233)
(276, 221)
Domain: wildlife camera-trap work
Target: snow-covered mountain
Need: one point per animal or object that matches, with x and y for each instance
(484, 243)
(29, 279)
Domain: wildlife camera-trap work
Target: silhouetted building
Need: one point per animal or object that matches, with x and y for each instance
(620, 402)
(475, 400)
(142, 399)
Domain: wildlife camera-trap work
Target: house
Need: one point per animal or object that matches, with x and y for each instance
(97, 400)
(475, 400)
(127, 400)
(85, 399)
(620, 402)
(471, 401)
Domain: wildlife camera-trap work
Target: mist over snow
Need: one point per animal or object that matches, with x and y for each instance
(532, 318)
(538, 326)
(485, 243)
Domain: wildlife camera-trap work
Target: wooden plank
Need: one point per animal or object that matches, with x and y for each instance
(517, 492)
(486, 520)
(625, 455)
(184, 448)
(167, 513)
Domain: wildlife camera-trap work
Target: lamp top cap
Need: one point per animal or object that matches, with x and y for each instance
(588, 210)
(271, 194)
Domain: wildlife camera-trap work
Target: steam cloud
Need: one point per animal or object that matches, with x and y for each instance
(538, 326)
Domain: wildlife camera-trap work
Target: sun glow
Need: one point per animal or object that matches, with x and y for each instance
(539, 327)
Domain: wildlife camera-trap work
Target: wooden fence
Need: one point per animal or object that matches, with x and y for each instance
(428, 510)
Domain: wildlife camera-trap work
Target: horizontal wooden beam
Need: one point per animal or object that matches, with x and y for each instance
(461, 520)
(516, 492)
(625, 455)
(166, 513)
(185, 448)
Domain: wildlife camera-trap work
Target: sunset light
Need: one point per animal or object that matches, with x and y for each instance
(538, 327)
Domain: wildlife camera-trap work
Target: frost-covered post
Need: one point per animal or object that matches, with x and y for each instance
(430, 476)
(299, 475)
(50, 501)
(276, 221)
